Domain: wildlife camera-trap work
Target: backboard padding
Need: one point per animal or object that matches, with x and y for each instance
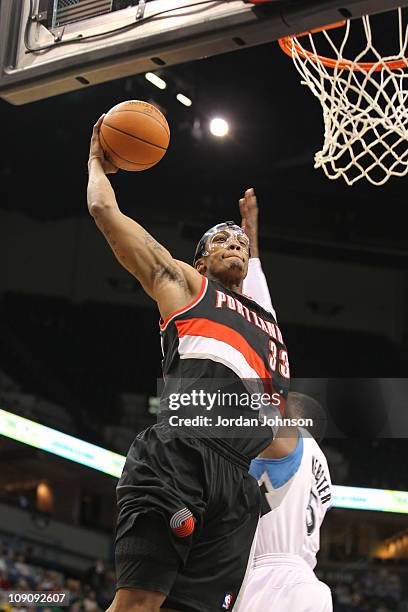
(195, 32)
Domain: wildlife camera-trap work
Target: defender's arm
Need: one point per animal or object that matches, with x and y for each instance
(254, 285)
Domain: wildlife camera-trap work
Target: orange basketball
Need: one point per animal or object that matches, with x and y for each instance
(134, 135)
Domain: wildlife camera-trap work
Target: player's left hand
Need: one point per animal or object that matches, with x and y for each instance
(248, 207)
(96, 150)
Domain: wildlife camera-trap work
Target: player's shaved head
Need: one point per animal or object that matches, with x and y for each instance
(302, 406)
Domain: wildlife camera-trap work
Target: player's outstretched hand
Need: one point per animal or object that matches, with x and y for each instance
(248, 207)
(96, 150)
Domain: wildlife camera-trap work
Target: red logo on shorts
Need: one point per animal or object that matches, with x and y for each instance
(182, 523)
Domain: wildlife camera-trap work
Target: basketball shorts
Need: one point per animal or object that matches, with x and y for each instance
(283, 583)
(188, 512)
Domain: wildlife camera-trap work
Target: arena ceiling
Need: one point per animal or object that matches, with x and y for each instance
(276, 127)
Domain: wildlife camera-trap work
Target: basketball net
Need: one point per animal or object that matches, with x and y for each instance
(364, 104)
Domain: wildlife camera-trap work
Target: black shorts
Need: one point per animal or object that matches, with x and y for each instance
(188, 512)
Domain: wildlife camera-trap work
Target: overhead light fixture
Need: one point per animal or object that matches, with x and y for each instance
(219, 127)
(184, 100)
(155, 80)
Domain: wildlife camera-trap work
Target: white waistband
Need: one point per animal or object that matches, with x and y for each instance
(280, 559)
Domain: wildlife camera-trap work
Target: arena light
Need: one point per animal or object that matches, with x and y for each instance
(362, 498)
(155, 80)
(183, 99)
(69, 447)
(219, 127)
(48, 439)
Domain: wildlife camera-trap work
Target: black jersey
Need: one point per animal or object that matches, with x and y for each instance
(225, 338)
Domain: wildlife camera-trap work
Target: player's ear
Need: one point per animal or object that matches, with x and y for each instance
(200, 266)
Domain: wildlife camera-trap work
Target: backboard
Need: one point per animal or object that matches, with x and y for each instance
(43, 53)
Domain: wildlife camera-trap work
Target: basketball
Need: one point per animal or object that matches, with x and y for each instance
(134, 135)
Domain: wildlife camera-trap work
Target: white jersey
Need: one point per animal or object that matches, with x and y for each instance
(293, 513)
(280, 575)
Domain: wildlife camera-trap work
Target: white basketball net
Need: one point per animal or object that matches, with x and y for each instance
(365, 112)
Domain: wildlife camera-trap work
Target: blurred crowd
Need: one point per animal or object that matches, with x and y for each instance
(373, 590)
(93, 592)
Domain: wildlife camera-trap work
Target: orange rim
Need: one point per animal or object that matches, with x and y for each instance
(288, 43)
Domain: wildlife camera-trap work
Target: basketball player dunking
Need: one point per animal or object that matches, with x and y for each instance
(295, 486)
(188, 508)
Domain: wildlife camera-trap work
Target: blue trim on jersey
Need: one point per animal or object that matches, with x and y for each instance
(278, 470)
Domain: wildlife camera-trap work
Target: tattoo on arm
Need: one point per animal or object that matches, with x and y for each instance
(159, 272)
(148, 240)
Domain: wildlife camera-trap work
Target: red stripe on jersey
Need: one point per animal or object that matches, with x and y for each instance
(163, 324)
(210, 329)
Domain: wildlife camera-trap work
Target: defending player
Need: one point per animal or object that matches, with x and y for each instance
(188, 508)
(296, 491)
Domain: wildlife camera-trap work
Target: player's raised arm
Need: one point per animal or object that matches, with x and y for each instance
(254, 284)
(171, 285)
(248, 207)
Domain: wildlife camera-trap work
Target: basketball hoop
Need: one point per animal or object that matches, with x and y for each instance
(365, 103)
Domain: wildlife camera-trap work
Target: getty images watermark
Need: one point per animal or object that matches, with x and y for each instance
(208, 400)
(222, 409)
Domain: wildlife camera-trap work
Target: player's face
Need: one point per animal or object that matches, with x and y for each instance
(228, 255)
